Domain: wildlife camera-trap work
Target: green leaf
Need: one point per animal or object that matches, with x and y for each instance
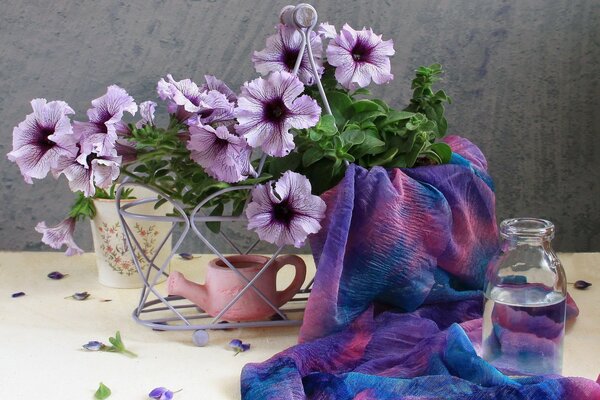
(103, 392)
(254, 181)
(340, 104)
(215, 226)
(353, 136)
(395, 116)
(327, 124)
(312, 155)
(384, 158)
(277, 166)
(371, 145)
(443, 151)
(314, 135)
(365, 105)
(361, 91)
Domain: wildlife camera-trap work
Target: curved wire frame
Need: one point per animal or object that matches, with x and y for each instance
(303, 17)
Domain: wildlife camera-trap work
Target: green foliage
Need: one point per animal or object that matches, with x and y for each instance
(370, 133)
(103, 392)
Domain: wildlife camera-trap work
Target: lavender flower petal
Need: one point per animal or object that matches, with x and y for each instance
(183, 95)
(17, 294)
(161, 393)
(59, 235)
(359, 57)
(288, 214)
(282, 52)
(213, 83)
(92, 170)
(101, 132)
(223, 155)
(269, 108)
(93, 345)
(56, 275)
(326, 30)
(147, 109)
(42, 139)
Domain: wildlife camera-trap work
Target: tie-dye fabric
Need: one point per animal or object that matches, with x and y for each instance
(395, 311)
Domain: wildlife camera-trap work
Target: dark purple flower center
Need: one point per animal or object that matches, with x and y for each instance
(43, 140)
(361, 51)
(91, 157)
(275, 110)
(289, 57)
(282, 212)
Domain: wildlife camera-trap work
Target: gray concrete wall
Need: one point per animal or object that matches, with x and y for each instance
(524, 76)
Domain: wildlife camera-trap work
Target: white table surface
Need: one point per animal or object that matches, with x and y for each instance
(41, 335)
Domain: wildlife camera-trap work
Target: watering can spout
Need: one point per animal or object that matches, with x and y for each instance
(178, 285)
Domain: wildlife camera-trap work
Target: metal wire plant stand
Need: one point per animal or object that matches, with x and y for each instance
(161, 312)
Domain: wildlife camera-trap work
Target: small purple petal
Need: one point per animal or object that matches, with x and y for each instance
(81, 296)
(245, 346)
(236, 343)
(93, 345)
(359, 57)
(288, 214)
(161, 393)
(17, 294)
(186, 256)
(56, 275)
(59, 235)
(89, 171)
(238, 346)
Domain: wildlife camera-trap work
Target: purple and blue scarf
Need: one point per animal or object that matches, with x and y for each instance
(395, 311)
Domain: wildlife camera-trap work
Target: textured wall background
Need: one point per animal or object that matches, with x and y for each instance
(524, 76)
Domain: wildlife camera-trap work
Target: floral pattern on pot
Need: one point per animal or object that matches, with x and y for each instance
(115, 250)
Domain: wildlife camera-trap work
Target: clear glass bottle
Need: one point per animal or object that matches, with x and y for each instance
(525, 301)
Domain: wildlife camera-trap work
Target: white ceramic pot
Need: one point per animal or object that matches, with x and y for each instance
(115, 264)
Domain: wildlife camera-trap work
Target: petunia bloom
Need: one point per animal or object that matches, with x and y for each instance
(91, 170)
(214, 108)
(269, 108)
(100, 133)
(287, 214)
(212, 83)
(59, 235)
(43, 139)
(360, 56)
(282, 52)
(183, 97)
(326, 30)
(223, 155)
(147, 109)
(160, 393)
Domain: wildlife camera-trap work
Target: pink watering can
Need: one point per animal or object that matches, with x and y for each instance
(223, 285)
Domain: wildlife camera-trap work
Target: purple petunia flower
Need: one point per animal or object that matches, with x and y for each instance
(183, 97)
(288, 214)
(269, 108)
(161, 393)
(212, 83)
(215, 108)
(91, 170)
(360, 56)
(282, 52)
(326, 30)
(147, 109)
(223, 155)
(100, 133)
(43, 139)
(59, 235)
